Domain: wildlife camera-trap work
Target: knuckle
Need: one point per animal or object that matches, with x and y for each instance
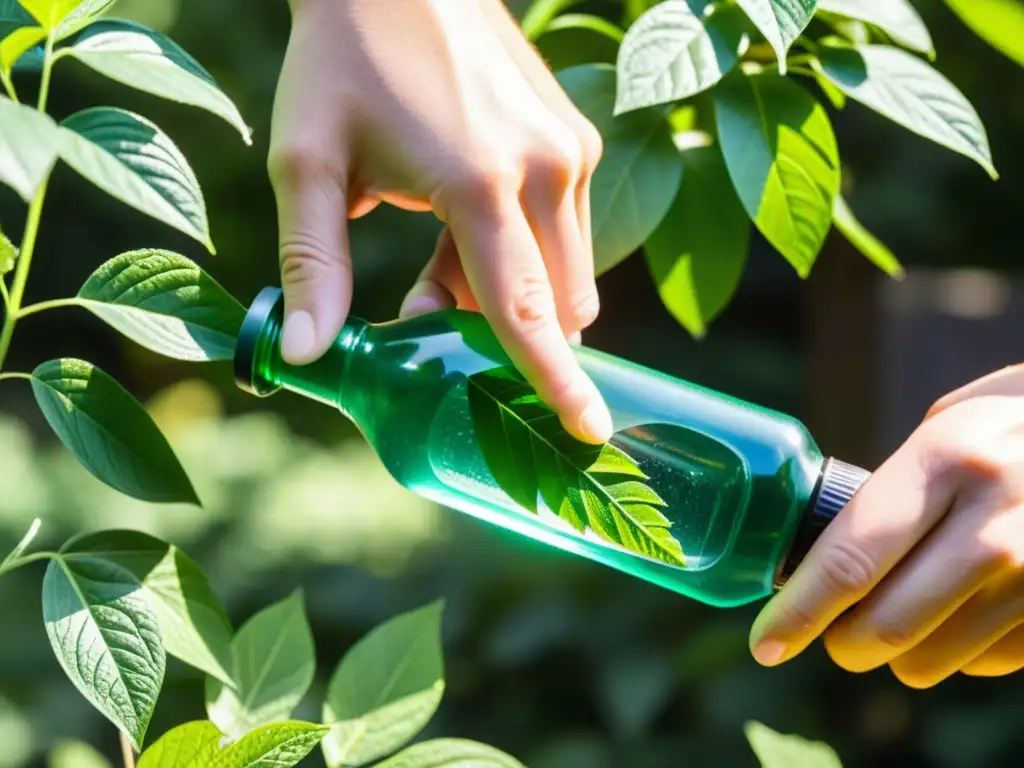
(893, 634)
(483, 182)
(847, 569)
(555, 167)
(297, 163)
(585, 308)
(591, 144)
(530, 304)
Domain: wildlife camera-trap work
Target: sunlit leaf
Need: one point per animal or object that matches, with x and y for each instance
(145, 59)
(777, 750)
(109, 433)
(272, 666)
(17, 43)
(780, 21)
(106, 638)
(451, 753)
(783, 160)
(696, 256)
(671, 53)
(193, 623)
(386, 689)
(999, 22)
(911, 93)
(130, 158)
(897, 18)
(166, 303)
(28, 147)
(865, 242)
(200, 745)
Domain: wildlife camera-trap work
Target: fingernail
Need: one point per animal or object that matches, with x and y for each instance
(596, 421)
(425, 296)
(769, 652)
(299, 336)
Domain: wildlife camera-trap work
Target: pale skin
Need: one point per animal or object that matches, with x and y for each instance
(443, 106)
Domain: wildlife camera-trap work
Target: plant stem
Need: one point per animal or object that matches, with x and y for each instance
(44, 84)
(34, 557)
(9, 86)
(28, 242)
(28, 245)
(127, 750)
(42, 306)
(7, 376)
(6, 296)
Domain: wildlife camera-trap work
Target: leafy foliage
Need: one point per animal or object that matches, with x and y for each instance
(451, 753)
(591, 487)
(106, 638)
(272, 666)
(776, 750)
(109, 432)
(732, 71)
(200, 745)
(386, 689)
(166, 303)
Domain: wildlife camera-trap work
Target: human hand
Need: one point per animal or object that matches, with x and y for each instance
(439, 105)
(931, 551)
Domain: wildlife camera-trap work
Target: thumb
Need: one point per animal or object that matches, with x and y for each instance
(316, 266)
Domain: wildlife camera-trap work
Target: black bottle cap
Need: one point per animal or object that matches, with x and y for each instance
(267, 305)
(837, 484)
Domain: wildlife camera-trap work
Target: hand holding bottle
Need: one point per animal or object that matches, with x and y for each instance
(929, 553)
(439, 105)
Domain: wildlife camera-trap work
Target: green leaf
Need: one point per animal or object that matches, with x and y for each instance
(128, 157)
(1000, 23)
(166, 303)
(50, 13)
(579, 38)
(586, 485)
(386, 688)
(65, 17)
(451, 753)
(776, 750)
(8, 254)
(193, 623)
(782, 157)
(76, 754)
(671, 53)
(696, 256)
(780, 21)
(272, 665)
(869, 245)
(540, 14)
(24, 544)
(28, 147)
(897, 18)
(16, 43)
(198, 745)
(192, 745)
(109, 433)
(106, 637)
(145, 59)
(13, 16)
(639, 172)
(909, 92)
(82, 16)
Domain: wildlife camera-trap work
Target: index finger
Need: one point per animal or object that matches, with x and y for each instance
(892, 511)
(506, 272)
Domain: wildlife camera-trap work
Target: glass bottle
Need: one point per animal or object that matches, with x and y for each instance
(698, 492)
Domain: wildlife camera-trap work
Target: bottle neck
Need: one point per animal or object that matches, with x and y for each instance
(260, 370)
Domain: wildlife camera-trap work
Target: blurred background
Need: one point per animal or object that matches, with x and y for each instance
(558, 661)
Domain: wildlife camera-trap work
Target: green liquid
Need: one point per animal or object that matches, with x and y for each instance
(734, 479)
